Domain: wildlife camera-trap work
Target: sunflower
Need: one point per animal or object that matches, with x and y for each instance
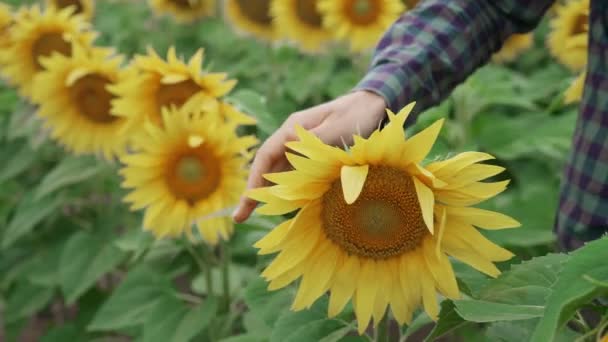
(184, 11)
(187, 173)
(85, 8)
(361, 22)
(6, 20)
(574, 93)
(375, 225)
(568, 38)
(35, 34)
(74, 100)
(300, 21)
(251, 17)
(158, 84)
(513, 47)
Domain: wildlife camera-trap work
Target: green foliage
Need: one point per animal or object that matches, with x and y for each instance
(73, 256)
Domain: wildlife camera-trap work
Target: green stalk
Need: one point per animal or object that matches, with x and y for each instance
(203, 265)
(382, 330)
(226, 274)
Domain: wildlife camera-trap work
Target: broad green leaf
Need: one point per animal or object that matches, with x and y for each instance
(70, 171)
(15, 162)
(268, 305)
(172, 320)
(337, 335)
(518, 331)
(66, 332)
(27, 215)
(483, 311)
(319, 330)
(572, 289)
(86, 257)
(449, 320)
(26, 299)
(245, 338)
(132, 301)
(255, 105)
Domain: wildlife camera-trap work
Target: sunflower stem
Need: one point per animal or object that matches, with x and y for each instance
(225, 249)
(382, 330)
(203, 264)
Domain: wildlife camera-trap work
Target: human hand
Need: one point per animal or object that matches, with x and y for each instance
(334, 122)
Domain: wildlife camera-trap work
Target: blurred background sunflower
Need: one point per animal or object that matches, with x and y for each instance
(157, 83)
(187, 173)
(85, 8)
(513, 47)
(184, 11)
(251, 17)
(574, 93)
(75, 103)
(567, 40)
(36, 34)
(372, 218)
(359, 22)
(300, 21)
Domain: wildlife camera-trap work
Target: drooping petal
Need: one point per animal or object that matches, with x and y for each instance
(482, 218)
(270, 243)
(343, 285)
(353, 179)
(367, 286)
(427, 203)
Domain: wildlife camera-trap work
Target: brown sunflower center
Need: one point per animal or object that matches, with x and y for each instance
(194, 174)
(580, 25)
(384, 221)
(362, 12)
(307, 12)
(48, 43)
(176, 94)
(92, 98)
(65, 3)
(256, 10)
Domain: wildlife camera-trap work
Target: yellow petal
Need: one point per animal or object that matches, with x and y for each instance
(367, 286)
(482, 218)
(316, 278)
(195, 140)
(418, 147)
(280, 207)
(399, 306)
(429, 296)
(353, 179)
(448, 167)
(427, 203)
(465, 254)
(469, 236)
(343, 285)
(441, 269)
(174, 78)
(270, 243)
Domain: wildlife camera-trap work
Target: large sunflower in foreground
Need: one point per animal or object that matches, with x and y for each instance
(568, 38)
(187, 173)
(375, 225)
(185, 11)
(158, 83)
(574, 93)
(74, 100)
(300, 21)
(513, 47)
(86, 8)
(360, 22)
(36, 34)
(251, 17)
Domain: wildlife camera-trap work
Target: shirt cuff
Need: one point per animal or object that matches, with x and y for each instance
(391, 82)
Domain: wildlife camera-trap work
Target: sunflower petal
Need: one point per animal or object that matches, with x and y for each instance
(353, 179)
(427, 203)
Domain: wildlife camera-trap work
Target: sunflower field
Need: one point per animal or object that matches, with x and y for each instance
(127, 130)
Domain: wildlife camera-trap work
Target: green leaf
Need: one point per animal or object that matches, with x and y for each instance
(28, 214)
(482, 311)
(518, 331)
(245, 338)
(572, 289)
(337, 335)
(318, 331)
(86, 257)
(132, 301)
(26, 300)
(268, 305)
(254, 104)
(68, 172)
(449, 320)
(171, 320)
(16, 161)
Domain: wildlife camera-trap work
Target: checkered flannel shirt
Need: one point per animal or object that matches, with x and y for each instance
(435, 46)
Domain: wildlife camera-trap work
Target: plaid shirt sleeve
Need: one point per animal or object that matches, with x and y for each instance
(435, 46)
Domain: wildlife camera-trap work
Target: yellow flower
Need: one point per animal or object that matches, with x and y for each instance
(189, 172)
(36, 34)
(6, 20)
(361, 22)
(74, 100)
(300, 21)
(568, 38)
(184, 11)
(156, 84)
(574, 93)
(85, 8)
(375, 225)
(513, 47)
(251, 17)
(409, 4)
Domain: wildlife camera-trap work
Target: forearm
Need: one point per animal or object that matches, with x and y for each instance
(434, 47)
